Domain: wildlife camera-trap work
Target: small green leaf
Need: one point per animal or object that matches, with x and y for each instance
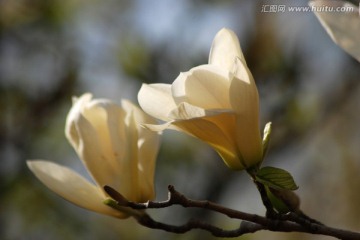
(277, 203)
(276, 178)
(112, 203)
(266, 139)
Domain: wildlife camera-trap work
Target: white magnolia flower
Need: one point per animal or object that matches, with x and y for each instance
(342, 23)
(114, 148)
(217, 103)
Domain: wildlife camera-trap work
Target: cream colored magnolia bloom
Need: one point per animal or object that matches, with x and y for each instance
(115, 150)
(217, 103)
(342, 26)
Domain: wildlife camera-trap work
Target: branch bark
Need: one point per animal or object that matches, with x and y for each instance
(250, 222)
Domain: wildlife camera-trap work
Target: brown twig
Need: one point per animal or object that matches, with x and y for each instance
(251, 222)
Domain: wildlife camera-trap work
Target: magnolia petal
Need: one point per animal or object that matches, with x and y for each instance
(90, 118)
(130, 175)
(95, 149)
(76, 123)
(244, 97)
(244, 100)
(225, 48)
(156, 100)
(205, 86)
(158, 127)
(71, 186)
(187, 111)
(140, 115)
(214, 131)
(343, 27)
(249, 140)
(70, 128)
(113, 138)
(108, 120)
(148, 145)
(241, 71)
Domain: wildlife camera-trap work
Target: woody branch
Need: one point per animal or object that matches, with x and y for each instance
(250, 222)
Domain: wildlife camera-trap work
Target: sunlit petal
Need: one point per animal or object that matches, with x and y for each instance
(225, 48)
(248, 140)
(71, 186)
(244, 96)
(217, 103)
(148, 145)
(139, 115)
(205, 86)
(244, 99)
(95, 150)
(156, 100)
(158, 127)
(187, 111)
(70, 128)
(87, 131)
(343, 27)
(114, 147)
(216, 131)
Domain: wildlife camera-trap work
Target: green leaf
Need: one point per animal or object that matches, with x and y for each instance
(112, 203)
(266, 139)
(276, 178)
(276, 202)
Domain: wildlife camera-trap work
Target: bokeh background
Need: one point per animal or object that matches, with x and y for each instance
(52, 50)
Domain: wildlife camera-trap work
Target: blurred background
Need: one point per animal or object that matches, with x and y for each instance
(52, 50)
